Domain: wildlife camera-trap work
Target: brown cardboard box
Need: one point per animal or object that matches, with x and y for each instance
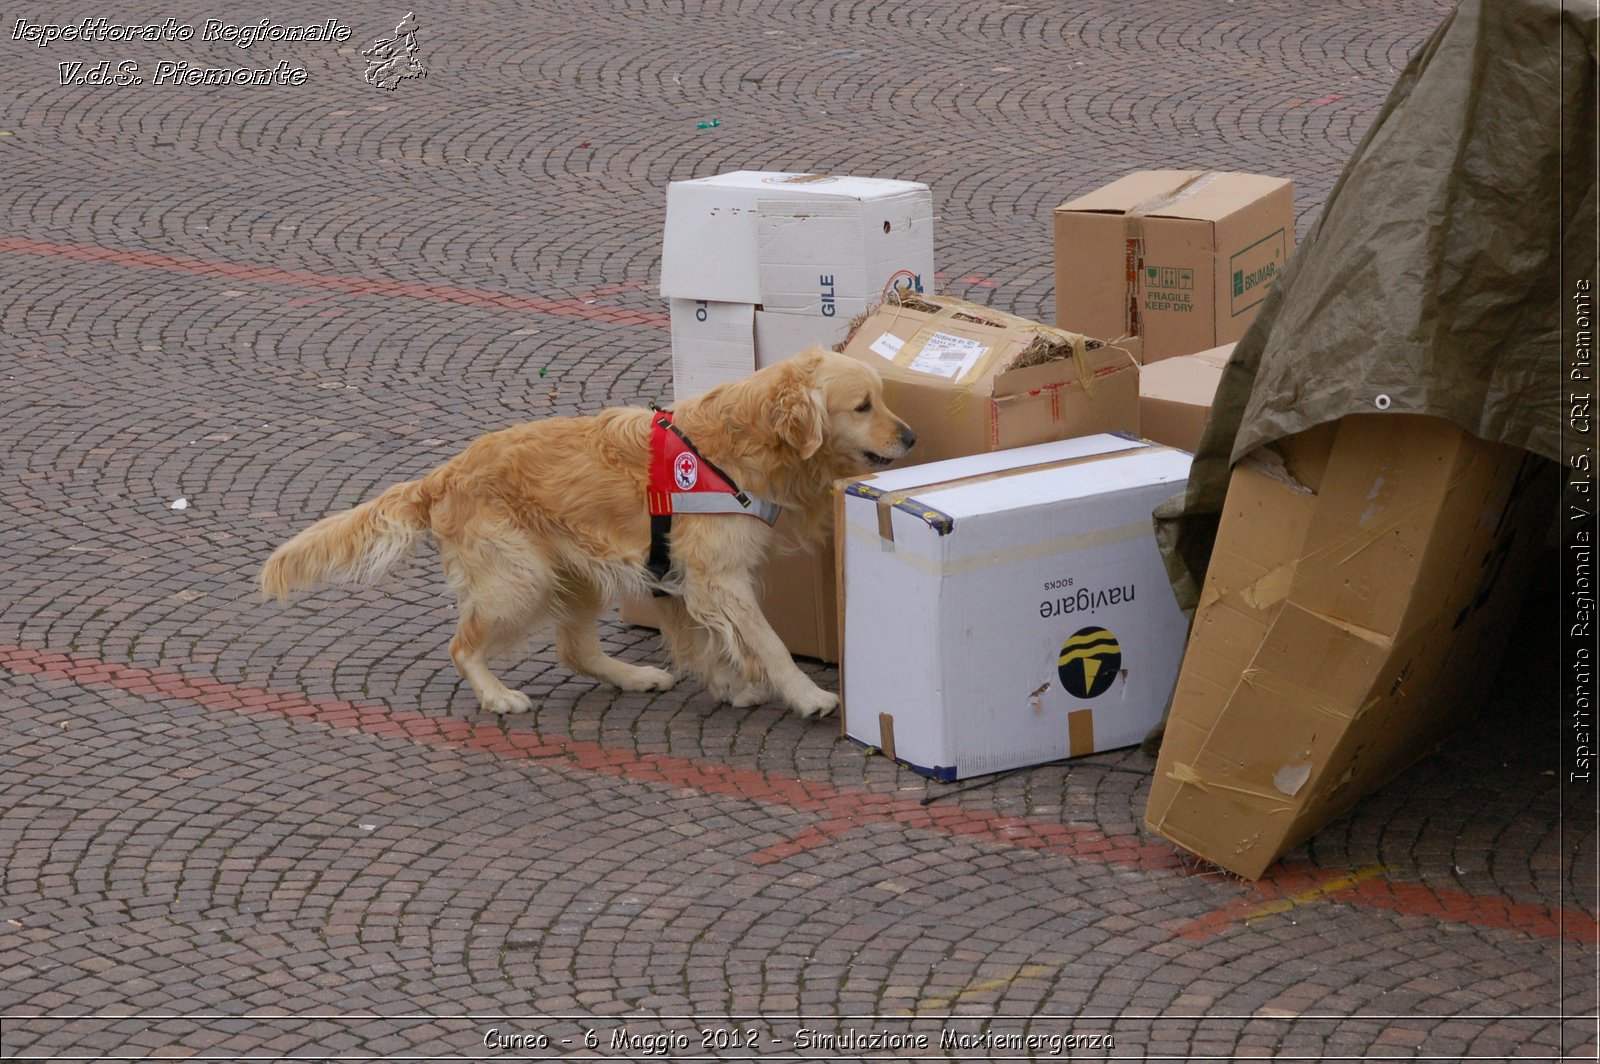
(797, 596)
(945, 372)
(1179, 258)
(1175, 396)
(1345, 621)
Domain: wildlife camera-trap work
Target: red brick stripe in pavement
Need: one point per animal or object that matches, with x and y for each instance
(1290, 887)
(841, 809)
(358, 286)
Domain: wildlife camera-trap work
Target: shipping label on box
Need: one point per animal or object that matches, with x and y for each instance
(1011, 608)
(1179, 258)
(970, 379)
(712, 343)
(1349, 614)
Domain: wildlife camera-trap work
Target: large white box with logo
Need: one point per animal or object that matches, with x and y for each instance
(1009, 608)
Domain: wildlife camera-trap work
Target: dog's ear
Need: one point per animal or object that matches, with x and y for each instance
(798, 412)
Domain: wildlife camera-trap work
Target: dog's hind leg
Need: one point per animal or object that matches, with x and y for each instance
(578, 644)
(726, 605)
(477, 636)
(502, 590)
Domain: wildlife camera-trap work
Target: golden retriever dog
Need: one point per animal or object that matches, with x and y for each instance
(547, 523)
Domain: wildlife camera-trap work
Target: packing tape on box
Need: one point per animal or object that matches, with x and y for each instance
(1133, 237)
(1187, 187)
(1189, 775)
(1029, 552)
(1080, 732)
(886, 735)
(905, 499)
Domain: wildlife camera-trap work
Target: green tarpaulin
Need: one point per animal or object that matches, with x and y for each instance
(1435, 280)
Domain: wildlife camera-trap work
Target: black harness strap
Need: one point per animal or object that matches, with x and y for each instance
(660, 559)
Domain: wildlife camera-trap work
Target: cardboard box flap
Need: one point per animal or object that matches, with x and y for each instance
(1339, 631)
(1185, 379)
(1201, 195)
(1094, 360)
(1124, 193)
(789, 183)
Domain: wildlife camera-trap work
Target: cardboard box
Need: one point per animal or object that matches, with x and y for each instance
(947, 371)
(1009, 609)
(798, 597)
(712, 343)
(1179, 258)
(1350, 614)
(795, 242)
(1175, 396)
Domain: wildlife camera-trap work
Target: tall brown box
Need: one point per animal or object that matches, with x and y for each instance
(1179, 258)
(1350, 613)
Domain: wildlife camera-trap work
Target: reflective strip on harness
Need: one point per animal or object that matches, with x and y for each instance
(687, 503)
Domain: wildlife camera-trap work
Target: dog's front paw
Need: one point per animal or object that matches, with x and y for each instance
(646, 678)
(506, 702)
(814, 703)
(736, 692)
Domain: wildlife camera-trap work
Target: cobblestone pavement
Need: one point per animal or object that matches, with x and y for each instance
(231, 829)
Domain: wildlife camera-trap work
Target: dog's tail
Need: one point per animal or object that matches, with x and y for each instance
(356, 546)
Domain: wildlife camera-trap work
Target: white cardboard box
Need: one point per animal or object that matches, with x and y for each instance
(781, 334)
(795, 242)
(1010, 608)
(712, 343)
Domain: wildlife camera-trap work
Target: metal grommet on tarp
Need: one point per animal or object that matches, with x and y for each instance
(1382, 402)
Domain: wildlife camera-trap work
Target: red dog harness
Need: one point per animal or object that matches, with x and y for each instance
(682, 481)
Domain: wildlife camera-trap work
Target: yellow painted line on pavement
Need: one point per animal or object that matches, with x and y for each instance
(1316, 893)
(1032, 971)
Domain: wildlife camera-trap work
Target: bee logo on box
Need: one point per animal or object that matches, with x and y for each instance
(1089, 661)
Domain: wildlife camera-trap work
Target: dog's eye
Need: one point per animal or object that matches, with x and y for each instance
(866, 404)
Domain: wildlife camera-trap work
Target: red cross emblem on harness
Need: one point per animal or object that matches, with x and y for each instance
(686, 471)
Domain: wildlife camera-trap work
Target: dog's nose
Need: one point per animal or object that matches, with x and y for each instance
(908, 437)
